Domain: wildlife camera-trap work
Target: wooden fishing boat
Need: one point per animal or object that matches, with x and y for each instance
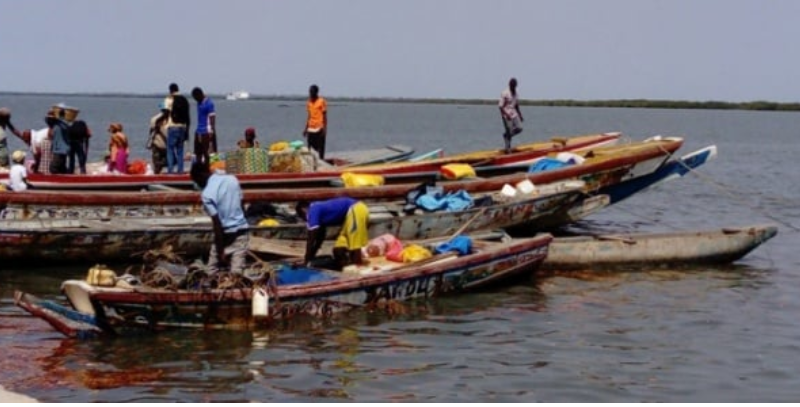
(551, 200)
(673, 249)
(83, 240)
(88, 241)
(283, 292)
(603, 166)
(435, 153)
(386, 154)
(674, 168)
(400, 172)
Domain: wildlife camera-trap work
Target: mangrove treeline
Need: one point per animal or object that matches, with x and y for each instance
(623, 103)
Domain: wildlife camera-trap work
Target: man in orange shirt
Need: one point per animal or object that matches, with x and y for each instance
(317, 123)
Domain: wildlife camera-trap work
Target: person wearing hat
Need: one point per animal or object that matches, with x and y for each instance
(157, 143)
(249, 139)
(118, 149)
(6, 128)
(18, 177)
(60, 144)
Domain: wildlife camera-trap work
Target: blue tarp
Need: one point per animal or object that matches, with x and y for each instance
(454, 201)
(545, 164)
(300, 275)
(462, 244)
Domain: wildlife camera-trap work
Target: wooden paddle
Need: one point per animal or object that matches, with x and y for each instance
(468, 223)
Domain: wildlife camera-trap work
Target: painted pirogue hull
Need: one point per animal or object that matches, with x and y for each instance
(656, 249)
(605, 166)
(75, 241)
(121, 240)
(495, 162)
(116, 310)
(672, 169)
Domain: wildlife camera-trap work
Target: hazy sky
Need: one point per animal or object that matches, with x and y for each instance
(732, 50)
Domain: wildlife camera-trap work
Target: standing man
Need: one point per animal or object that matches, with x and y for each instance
(177, 128)
(78, 137)
(510, 113)
(6, 128)
(351, 214)
(61, 147)
(157, 142)
(222, 201)
(205, 137)
(317, 122)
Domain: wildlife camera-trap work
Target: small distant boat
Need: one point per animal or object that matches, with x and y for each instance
(238, 95)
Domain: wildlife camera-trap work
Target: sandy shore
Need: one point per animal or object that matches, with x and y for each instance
(9, 397)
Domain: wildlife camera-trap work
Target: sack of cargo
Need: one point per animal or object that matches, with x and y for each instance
(247, 161)
(102, 276)
(287, 161)
(383, 244)
(394, 252)
(278, 146)
(457, 171)
(268, 222)
(352, 180)
(70, 113)
(415, 252)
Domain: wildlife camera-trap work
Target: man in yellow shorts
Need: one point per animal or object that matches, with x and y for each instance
(351, 214)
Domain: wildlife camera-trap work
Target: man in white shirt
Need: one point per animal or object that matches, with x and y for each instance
(510, 113)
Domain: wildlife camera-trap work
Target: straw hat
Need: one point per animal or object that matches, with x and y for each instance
(18, 156)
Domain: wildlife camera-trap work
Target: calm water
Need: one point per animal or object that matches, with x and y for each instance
(700, 334)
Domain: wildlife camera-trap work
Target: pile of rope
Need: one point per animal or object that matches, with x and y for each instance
(165, 269)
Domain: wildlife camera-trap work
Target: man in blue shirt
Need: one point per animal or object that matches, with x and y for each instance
(222, 201)
(351, 214)
(60, 145)
(205, 137)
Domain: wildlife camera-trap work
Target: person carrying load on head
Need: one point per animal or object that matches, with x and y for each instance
(351, 214)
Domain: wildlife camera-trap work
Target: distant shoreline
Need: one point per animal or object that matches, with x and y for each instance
(758, 105)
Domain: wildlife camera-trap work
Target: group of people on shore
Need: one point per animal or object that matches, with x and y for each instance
(222, 197)
(221, 194)
(169, 130)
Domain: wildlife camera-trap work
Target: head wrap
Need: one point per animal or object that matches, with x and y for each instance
(115, 127)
